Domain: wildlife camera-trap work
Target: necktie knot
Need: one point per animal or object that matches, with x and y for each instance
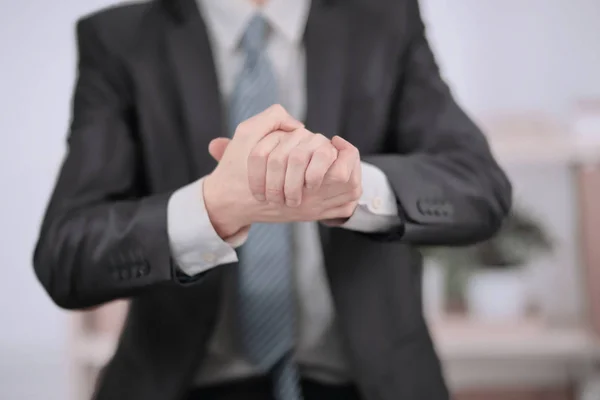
(255, 36)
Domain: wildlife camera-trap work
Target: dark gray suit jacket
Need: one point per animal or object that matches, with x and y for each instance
(146, 105)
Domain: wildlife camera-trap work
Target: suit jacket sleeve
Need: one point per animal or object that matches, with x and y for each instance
(449, 188)
(101, 237)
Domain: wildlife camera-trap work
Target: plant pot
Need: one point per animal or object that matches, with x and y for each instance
(434, 289)
(496, 295)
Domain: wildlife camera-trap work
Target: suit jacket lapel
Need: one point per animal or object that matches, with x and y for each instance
(196, 80)
(326, 49)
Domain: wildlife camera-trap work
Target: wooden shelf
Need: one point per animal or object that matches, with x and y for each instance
(537, 149)
(461, 339)
(534, 137)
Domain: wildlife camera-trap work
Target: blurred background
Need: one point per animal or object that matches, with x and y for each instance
(516, 318)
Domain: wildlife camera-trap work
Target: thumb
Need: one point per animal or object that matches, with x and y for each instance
(217, 147)
(341, 144)
(346, 161)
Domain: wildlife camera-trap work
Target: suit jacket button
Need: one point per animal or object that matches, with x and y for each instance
(420, 207)
(144, 269)
(209, 257)
(376, 203)
(125, 273)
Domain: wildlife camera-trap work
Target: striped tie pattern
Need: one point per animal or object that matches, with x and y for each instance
(265, 302)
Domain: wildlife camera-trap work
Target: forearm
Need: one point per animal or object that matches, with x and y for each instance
(93, 254)
(449, 198)
(450, 190)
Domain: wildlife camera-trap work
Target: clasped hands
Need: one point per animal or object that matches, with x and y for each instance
(275, 170)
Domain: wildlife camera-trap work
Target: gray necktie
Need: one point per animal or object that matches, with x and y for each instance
(265, 302)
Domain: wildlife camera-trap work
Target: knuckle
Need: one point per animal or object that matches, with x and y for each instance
(306, 133)
(259, 154)
(300, 135)
(318, 140)
(299, 156)
(356, 192)
(277, 109)
(340, 175)
(241, 128)
(320, 137)
(276, 161)
(312, 180)
(323, 153)
(257, 188)
(292, 197)
(334, 152)
(292, 192)
(348, 209)
(273, 193)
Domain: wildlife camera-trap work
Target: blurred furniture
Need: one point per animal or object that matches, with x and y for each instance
(587, 130)
(525, 360)
(523, 356)
(589, 208)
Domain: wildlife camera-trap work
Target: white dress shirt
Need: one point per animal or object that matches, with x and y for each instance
(196, 246)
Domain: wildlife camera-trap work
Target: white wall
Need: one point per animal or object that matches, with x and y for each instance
(37, 71)
(517, 54)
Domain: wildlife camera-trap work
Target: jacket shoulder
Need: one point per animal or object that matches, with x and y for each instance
(117, 16)
(389, 14)
(120, 26)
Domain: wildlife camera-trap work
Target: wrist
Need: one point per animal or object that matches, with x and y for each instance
(342, 215)
(224, 212)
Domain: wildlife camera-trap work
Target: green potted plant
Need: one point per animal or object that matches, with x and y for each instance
(491, 272)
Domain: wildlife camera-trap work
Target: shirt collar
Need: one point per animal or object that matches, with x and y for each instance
(228, 19)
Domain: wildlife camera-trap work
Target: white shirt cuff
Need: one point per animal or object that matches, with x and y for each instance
(377, 210)
(195, 245)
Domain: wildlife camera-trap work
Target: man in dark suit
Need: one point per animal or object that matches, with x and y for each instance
(325, 301)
